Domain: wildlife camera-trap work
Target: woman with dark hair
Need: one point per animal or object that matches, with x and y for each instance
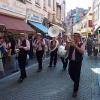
(13, 53)
(2, 52)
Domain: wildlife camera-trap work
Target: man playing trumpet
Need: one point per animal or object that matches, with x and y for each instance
(75, 56)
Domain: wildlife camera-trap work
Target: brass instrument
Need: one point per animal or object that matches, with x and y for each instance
(54, 32)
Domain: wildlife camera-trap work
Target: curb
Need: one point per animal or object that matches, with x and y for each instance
(12, 78)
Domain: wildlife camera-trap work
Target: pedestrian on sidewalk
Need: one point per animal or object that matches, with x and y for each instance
(13, 53)
(39, 45)
(24, 47)
(75, 56)
(2, 52)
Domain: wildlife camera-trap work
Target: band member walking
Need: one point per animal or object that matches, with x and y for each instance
(39, 45)
(53, 47)
(23, 46)
(75, 56)
(66, 45)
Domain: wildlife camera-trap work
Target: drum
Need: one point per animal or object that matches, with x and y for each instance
(61, 51)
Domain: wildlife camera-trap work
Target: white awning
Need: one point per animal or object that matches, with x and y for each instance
(60, 28)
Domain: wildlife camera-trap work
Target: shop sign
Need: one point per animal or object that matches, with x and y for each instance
(34, 16)
(7, 7)
(16, 8)
(20, 8)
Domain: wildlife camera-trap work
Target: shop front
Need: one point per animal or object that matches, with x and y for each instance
(12, 23)
(35, 20)
(12, 27)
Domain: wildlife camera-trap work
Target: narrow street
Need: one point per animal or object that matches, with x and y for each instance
(52, 84)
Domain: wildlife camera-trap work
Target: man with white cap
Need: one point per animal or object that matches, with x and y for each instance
(39, 45)
(24, 46)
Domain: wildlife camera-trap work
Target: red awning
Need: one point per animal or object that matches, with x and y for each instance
(15, 24)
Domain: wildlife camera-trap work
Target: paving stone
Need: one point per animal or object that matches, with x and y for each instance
(54, 84)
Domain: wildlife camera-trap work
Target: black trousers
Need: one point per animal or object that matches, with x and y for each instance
(74, 72)
(22, 63)
(65, 62)
(39, 55)
(53, 58)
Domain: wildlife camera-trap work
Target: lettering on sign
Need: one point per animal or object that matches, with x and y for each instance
(34, 16)
(6, 7)
(15, 7)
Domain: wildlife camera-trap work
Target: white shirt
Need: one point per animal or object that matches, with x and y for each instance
(38, 46)
(73, 55)
(57, 44)
(27, 44)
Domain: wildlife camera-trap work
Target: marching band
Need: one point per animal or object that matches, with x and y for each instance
(53, 47)
(23, 46)
(68, 50)
(39, 45)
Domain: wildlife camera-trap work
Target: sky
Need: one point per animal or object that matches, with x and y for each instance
(71, 4)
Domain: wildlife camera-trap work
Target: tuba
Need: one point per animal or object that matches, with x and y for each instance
(54, 32)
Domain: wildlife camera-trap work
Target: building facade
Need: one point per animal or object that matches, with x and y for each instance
(96, 19)
(96, 13)
(74, 16)
(17, 15)
(52, 10)
(85, 25)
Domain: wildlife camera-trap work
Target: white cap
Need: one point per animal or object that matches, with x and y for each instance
(39, 34)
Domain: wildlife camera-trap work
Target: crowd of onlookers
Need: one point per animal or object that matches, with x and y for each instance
(9, 52)
(92, 46)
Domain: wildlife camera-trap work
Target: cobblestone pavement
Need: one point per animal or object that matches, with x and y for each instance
(53, 84)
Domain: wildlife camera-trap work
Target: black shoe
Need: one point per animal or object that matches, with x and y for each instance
(63, 69)
(74, 94)
(20, 80)
(54, 66)
(39, 70)
(49, 66)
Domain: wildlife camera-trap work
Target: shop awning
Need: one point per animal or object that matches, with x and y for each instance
(15, 24)
(60, 28)
(40, 26)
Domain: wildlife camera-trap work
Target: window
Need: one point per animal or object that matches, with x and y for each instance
(53, 5)
(90, 23)
(29, 1)
(44, 4)
(58, 7)
(37, 2)
(23, 1)
(49, 3)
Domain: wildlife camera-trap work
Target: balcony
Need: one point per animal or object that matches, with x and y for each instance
(37, 4)
(23, 1)
(44, 8)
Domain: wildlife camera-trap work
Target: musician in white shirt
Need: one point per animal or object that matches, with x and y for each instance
(39, 45)
(53, 47)
(64, 59)
(23, 46)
